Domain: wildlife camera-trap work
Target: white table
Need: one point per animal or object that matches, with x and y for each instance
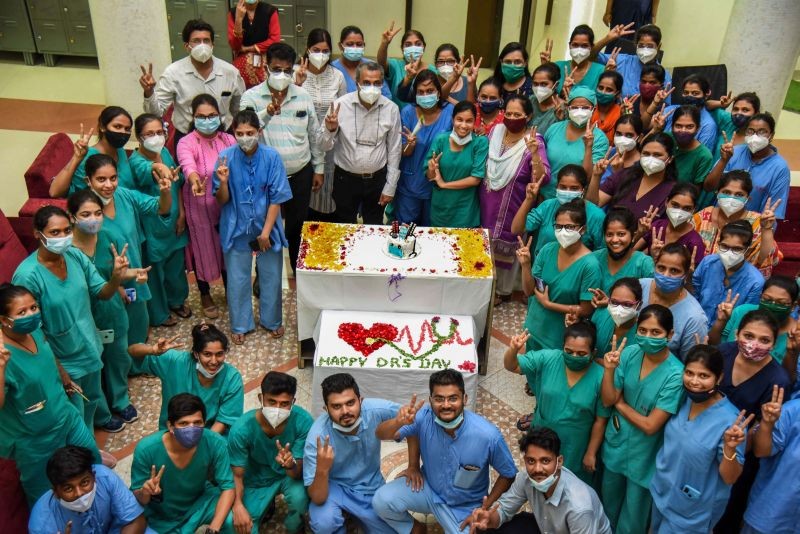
(392, 355)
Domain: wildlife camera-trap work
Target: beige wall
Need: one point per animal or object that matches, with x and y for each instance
(371, 16)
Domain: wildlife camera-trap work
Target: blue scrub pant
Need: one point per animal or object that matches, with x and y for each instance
(408, 209)
(240, 289)
(327, 518)
(627, 504)
(395, 500)
(257, 499)
(747, 529)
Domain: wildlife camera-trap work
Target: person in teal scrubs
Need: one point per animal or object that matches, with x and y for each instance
(398, 76)
(165, 237)
(578, 71)
(703, 451)
(63, 281)
(35, 415)
(731, 125)
(187, 469)
(560, 278)
(266, 449)
(643, 385)
(123, 210)
(113, 132)
(616, 315)
(778, 297)
(567, 386)
(572, 183)
(457, 164)
(618, 259)
(575, 140)
(202, 372)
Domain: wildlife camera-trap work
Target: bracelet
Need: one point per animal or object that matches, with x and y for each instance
(729, 458)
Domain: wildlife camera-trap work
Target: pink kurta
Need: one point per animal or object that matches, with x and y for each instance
(199, 154)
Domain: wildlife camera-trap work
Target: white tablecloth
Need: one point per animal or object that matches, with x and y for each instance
(359, 278)
(418, 345)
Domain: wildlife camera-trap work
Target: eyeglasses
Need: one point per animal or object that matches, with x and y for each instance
(762, 132)
(448, 62)
(558, 227)
(726, 248)
(623, 303)
(148, 135)
(576, 108)
(452, 399)
(287, 72)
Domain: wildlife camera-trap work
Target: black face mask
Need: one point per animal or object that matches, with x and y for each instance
(621, 254)
(116, 139)
(701, 396)
(696, 101)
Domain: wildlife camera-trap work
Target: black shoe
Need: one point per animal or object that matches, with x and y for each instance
(129, 414)
(114, 425)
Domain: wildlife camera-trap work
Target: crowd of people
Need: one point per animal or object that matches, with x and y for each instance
(658, 343)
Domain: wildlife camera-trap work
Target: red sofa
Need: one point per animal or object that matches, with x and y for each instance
(788, 236)
(11, 250)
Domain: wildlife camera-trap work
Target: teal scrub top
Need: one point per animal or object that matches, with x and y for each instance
(639, 265)
(560, 152)
(159, 231)
(629, 451)
(724, 124)
(569, 410)
(605, 331)
(458, 208)
(224, 398)
(570, 286)
(251, 448)
(394, 75)
(180, 487)
(124, 174)
(729, 332)
(589, 80)
(108, 314)
(541, 219)
(67, 309)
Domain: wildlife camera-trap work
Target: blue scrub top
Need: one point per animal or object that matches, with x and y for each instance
(771, 178)
(756, 390)
(351, 83)
(747, 282)
(688, 319)
(630, 67)
(707, 134)
(413, 181)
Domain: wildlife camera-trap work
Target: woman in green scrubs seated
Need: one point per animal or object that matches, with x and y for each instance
(202, 372)
(567, 385)
(35, 415)
(643, 384)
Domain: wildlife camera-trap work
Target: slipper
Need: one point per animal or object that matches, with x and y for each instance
(238, 339)
(171, 321)
(184, 312)
(211, 312)
(277, 333)
(524, 422)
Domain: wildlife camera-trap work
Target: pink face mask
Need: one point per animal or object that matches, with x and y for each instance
(753, 351)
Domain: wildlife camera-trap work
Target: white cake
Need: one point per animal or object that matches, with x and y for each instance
(400, 245)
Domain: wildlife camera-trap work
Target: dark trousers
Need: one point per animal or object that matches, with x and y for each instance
(295, 210)
(731, 520)
(351, 191)
(522, 523)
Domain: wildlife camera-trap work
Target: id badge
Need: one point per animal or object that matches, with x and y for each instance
(106, 336)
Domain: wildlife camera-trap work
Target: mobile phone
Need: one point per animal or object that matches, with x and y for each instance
(256, 60)
(690, 492)
(254, 246)
(540, 284)
(106, 336)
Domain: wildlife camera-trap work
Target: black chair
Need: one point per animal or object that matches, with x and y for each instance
(717, 76)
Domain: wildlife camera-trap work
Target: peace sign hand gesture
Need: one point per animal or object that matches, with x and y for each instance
(459, 67)
(482, 518)
(152, 486)
(736, 434)
(413, 68)
(602, 164)
(5, 354)
(163, 344)
(433, 165)
(663, 94)
(285, 458)
(656, 242)
(726, 150)
(519, 341)
(524, 251)
(274, 107)
(199, 187)
(532, 189)
(547, 53)
(611, 64)
(147, 81)
(659, 121)
(332, 118)
(569, 81)
(620, 30)
(389, 34)
(725, 308)
(407, 412)
(222, 170)
(628, 102)
(616, 162)
(646, 221)
(411, 139)
(611, 359)
(532, 142)
(473, 71)
(726, 100)
(302, 72)
(771, 411)
(121, 262)
(588, 135)
(768, 215)
(82, 144)
(599, 297)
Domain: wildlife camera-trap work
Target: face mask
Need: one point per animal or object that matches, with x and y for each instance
(621, 254)
(427, 101)
(369, 94)
(621, 314)
(739, 120)
(279, 80)
(753, 351)
(449, 425)
(460, 141)
(579, 54)
(576, 363)
(651, 345)
(275, 416)
(624, 144)
(564, 196)
(678, 216)
(756, 142)
(730, 204)
(104, 200)
(26, 324)
(731, 259)
(701, 396)
(58, 245)
(515, 125)
(353, 53)
(445, 71)
(205, 372)
(604, 98)
(154, 143)
(188, 436)
(567, 238)
(346, 429)
(683, 138)
(251, 2)
(648, 91)
(247, 142)
(208, 125)
(82, 503)
(579, 116)
(668, 284)
(202, 52)
(542, 93)
(319, 59)
(652, 164)
(646, 55)
(779, 311)
(490, 106)
(116, 139)
(89, 226)
(512, 73)
(545, 484)
(696, 101)
(412, 53)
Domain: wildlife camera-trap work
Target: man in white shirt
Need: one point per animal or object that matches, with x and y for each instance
(365, 127)
(199, 72)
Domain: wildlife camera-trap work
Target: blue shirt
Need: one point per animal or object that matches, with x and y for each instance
(413, 181)
(457, 467)
(688, 320)
(775, 495)
(357, 458)
(707, 134)
(255, 183)
(351, 83)
(630, 67)
(710, 290)
(770, 177)
(114, 507)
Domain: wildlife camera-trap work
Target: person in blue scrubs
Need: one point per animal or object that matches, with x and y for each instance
(728, 271)
(695, 91)
(86, 498)
(703, 451)
(351, 44)
(342, 458)
(458, 448)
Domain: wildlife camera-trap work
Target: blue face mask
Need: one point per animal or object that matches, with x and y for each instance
(696, 101)
(188, 436)
(207, 125)
(449, 425)
(27, 323)
(651, 345)
(412, 53)
(564, 196)
(89, 226)
(668, 284)
(427, 101)
(353, 53)
(58, 245)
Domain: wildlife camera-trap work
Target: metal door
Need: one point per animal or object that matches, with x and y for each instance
(77, 10)
(44, 9)
(215, 12)
(287, 19)
(81, 40)
(15, 35)
(178, 13)
(309, 18)
(50, 36)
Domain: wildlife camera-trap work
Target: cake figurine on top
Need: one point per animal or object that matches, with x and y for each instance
(402, 243)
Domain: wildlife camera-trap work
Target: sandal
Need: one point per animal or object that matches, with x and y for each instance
(524, 422)
(184, 312)
(211, 312)
(171, 321)
(238, 339)
(277, 333)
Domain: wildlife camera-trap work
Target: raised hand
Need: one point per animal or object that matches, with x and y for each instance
(274, 107)
(524, 251)
(433, 164)
(620, 30)
(599, 297)
(602, 164)
(332, 118)
(611, 64)
(222, 170)
(532, 142)
(472, 72)
(656, 241)
(459, 67)
(199, 187)
(646, 222)
(726, 100)
(407, 412)
(302, 72)
(726, 150)
(532, 189)
(285, 458)
(163, 344)
(570, 319)
(611, 358)
(152, 486)
(325, 455)
(389, 33)
(547, 53)
(241, 10)
(146, 80)
(628, 103)
(736, 434)
(693, 260)
(519, 341)
(698, 341)
(411, 139)
(616, 162)
(413, 68)
(121, 262)
(725, 308)
(659, 120)
(771, 411)
(569, 81)
(588, 135)
(82, 144)
(768, 215)
(662, 94)
(175, 173)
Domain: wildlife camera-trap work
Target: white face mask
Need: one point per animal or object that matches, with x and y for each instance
(545, 484)
(247, 142)
(579, 54)
(460, 141)
(445, 71)
(154, 143)
(624, 144)
(205, 372)
(202, 52)
(731, 205)
(318, 59)
(756, 142)
(580, 116)
(645, 54)
(104, 200)
(678, 216)
(621, 314)
(731, 259)
(346, 429)
(652, 164)
(369, 94)
(279, 80)
(567, 237)
(542, 93)
(82, 503)
(275, 416)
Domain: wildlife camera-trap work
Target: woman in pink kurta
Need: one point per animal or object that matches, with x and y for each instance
(198, 153)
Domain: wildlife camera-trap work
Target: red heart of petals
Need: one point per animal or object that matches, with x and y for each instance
(367, 340)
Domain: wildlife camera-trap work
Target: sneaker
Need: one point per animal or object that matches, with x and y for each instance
(114, 425)
(129, 414)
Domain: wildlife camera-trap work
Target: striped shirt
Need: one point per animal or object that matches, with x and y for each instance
(294, 133)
